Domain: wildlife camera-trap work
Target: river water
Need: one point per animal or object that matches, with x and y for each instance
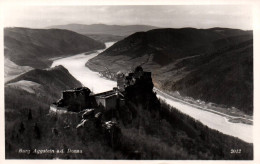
(76, 66)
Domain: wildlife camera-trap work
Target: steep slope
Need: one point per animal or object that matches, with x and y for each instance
(35, 47)
(121, 30)
(12, 70)
(29, 95)
(224, 78)
(28, 86)
(54, 80)
(140, 128)
(214, 65)
(36, 89)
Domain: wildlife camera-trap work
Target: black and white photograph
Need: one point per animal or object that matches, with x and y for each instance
(128, 82)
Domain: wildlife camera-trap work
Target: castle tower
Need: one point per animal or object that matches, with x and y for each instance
(120, 81)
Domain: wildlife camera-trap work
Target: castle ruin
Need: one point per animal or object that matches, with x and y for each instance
(79, 99)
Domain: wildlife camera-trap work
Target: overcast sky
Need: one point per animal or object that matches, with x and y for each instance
(176, 16)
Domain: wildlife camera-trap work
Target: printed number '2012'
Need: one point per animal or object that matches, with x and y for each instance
(235, 151)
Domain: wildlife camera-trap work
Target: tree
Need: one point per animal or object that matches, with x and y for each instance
(37, 131)
(21, 128)
(30, 114)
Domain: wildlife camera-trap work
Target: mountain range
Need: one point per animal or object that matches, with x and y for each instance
(105, 37)
(36, 47)
(29, 82)
(36, 89)
(117, 30)
(213, 65)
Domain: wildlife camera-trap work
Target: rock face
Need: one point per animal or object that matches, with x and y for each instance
(142, 81)
(112, 133)
(135, 84)
(88, 113)
(92, 124)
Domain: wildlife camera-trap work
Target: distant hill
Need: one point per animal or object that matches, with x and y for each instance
(118, 30)
(37, 89)
(55, 79)
(105, 37)
(35, 47)
(28, 87)
(33, 92)
(214, 65)
(12, 70)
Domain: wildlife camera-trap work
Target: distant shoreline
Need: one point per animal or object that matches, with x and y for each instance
(233, 119)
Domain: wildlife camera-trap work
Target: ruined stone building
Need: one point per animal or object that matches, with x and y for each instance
(110, 99)
(78, 99)
(133, 79)
(75, 100)
(135, 84)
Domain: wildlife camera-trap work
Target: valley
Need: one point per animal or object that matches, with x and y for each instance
(153, 124)
(185, 61)
(76, 66)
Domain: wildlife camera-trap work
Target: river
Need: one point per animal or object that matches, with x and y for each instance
(76, 66)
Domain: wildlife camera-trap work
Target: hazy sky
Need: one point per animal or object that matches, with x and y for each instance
(175, 16)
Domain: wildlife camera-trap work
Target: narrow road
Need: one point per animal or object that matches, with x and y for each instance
(197, 106)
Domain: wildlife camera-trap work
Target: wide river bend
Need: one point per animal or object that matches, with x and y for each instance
(76, 66)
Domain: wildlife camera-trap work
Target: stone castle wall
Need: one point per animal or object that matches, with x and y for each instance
(134, 84)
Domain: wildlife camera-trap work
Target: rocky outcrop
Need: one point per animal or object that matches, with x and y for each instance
(112, 133)
(92, 124)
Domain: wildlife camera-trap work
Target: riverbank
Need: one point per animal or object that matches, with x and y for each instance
(96, 83)
(232, 117)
